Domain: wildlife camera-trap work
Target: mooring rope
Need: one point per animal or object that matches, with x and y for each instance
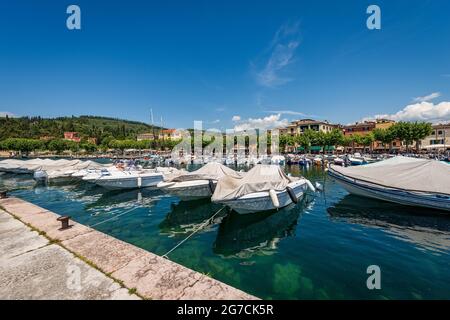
(193, 232)
(109, 219)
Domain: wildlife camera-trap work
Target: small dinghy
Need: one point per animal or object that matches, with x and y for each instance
(403, 180)
(263, 188)
(198, 184)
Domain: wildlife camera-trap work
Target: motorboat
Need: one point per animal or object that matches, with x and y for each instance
(125, 179)
(304, 161)
(403, 180)
(355, 161)
(67, 171)
(339, 161)
(278, 160)
(198, 184)
(263, 188)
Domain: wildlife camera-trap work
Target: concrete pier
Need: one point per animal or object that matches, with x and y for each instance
(105, 263)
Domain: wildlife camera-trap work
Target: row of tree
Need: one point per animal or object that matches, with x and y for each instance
(407, 132)
(25, 146)
(404, 131)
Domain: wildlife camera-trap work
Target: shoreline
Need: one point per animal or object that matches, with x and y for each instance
(147, 275)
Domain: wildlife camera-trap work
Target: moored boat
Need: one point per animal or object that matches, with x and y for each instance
(263, 188)
(125, 179)
(407, 181)
(198, 184)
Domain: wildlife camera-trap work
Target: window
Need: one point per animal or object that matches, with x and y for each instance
(433, 133)
(439, 132)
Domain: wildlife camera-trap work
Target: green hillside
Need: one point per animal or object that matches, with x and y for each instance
(88, 126)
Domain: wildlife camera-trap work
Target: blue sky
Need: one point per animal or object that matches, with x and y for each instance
(267, 61)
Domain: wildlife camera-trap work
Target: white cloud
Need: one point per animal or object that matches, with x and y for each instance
(236, 118)
(269, 122)
(282, 51)
(423, 111)
(215, 121)
(429, 97)
(6, 113)
(291, 113)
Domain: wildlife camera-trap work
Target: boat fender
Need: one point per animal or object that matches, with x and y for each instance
(212, 187)
(139, 182)
(319, 186)
(274, 198)
(291, 194)
(310, 186)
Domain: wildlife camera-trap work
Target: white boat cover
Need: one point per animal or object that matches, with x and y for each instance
(405, 173)
(170, 173)
(48, 165)
(210, 171)
(260, 178)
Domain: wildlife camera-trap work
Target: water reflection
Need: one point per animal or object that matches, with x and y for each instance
(406, 223)
(10, 181)
(121, 198)
(186, 216)
(244, 235)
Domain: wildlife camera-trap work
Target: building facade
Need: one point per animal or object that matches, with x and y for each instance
(170, 134)
(438, 139)
(72, 136)
(145, 136)
(297, 127)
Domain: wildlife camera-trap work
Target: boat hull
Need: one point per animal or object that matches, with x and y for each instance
(392, 195)
(190, 190)
(249, 204)
(129, 182)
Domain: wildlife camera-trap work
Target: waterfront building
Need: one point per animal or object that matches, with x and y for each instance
(145, 136)
(170, 134)
(72, 136)
(439, 139)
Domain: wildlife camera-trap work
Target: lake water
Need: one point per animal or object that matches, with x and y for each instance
(319, 249)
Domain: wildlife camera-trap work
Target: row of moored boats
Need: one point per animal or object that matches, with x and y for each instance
(264, 187)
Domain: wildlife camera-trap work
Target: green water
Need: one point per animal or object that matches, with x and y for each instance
(319, 249)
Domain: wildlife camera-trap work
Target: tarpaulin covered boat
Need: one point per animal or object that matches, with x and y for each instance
(408, 181)
(264, 187)
(200, 183)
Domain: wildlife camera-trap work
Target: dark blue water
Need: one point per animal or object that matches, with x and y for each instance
(319, 249)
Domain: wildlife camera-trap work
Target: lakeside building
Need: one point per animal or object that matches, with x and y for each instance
(170, 134)
(145, 136)
(396, 145)
(366, 127)
(439, 139)
(359, 128)
(299, 126)
(165, 134)
(72, 136)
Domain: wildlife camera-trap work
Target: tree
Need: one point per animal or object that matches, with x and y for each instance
(303, 141)
(346, 142)
(57, 145)
(333, 138)
(21, 145)
(420, 131)
(88, 147)
(356, 139)
(367, 141)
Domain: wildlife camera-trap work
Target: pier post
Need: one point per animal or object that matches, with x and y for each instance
(64, 222)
